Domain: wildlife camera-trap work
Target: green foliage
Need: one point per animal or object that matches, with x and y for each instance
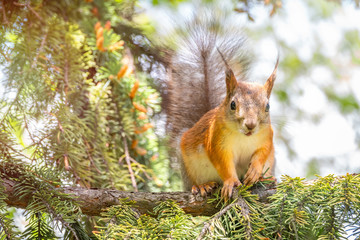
(7, 228)
(322, 8)
(168, 221)
(48, 208)
(347, 103)
(71, 113)
(72, 103)
(325, 208)
(38, 227)
(322, 210)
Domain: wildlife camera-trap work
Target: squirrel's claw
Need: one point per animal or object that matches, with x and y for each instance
(252, 175)
(229, 184)
(204, 189)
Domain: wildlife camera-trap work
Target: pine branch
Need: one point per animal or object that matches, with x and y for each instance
(92, 201)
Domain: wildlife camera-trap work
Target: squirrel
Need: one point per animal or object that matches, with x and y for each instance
(225, 134)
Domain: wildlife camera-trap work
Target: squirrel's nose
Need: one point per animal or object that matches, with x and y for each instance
(250, 125)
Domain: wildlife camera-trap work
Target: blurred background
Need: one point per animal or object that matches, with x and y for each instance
(315, 108)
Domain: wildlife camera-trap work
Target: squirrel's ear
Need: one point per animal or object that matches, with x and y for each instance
(230, 81)
(270, 82)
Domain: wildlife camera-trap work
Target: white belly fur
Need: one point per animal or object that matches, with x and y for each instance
(242, 148)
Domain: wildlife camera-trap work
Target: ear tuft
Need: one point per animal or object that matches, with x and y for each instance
(230, 77)
(270, 82)
(230, 81)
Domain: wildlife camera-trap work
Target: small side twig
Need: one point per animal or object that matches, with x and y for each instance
(207, 225)
(59, 124)
(141, 168)
(27, 4)
(4, 55)
(27, 129)
(87, 149)
(4, 14)
(127, 158)
(42, 44)
(57, 216)
(66, 75)
(15, 151)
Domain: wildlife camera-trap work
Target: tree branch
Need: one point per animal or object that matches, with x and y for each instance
(93, 201)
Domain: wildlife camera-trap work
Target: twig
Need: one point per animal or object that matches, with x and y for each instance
(141, 168)
(127, 158)
(57, 216)
(4, 14)
(40, 49)
(4, 55)
(87, 149)
(27, 4)
(66, 75)
(244, 210)
(27, 129)
(59, 124)
(14, 150)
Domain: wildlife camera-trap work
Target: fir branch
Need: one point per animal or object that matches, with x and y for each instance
(4, 227)
(92, 201)
(245, 216)
(281, 215)
(57, 216)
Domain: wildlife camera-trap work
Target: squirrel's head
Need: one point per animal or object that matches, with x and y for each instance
(247, 104)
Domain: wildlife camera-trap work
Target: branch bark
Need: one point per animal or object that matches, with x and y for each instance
(93, 201)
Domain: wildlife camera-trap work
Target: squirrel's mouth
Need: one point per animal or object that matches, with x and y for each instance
(248, 134)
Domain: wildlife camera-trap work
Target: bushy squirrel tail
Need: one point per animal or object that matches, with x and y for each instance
(196, 75)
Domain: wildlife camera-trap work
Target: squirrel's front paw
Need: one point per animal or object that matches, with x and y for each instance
(253, 174)
(204, 189)
(227, 189)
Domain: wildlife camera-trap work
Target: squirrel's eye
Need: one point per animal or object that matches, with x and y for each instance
(267, 108)
(232, 105)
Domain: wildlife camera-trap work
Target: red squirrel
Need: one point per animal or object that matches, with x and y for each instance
(234, 139)
(230, 141)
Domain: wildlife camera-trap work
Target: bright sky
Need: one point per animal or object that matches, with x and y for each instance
(333, 136)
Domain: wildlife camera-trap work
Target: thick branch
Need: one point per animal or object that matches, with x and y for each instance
(92, 201)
